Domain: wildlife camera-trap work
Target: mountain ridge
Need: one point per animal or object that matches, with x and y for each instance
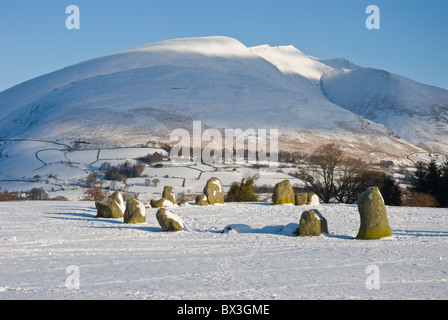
(141, 94)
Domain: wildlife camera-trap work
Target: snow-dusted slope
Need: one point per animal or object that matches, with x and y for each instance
(292, 62)
(415, 111)
(140, 94)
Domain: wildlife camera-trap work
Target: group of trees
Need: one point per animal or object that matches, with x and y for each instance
(334, 177)
(33, 194)
(337, 178)
(122, 171)
(151, 158)
(430, 181)
(10, 196)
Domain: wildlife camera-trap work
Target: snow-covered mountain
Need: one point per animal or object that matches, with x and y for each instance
(415, 111)
(142, 94)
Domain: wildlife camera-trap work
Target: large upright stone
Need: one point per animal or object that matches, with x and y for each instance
(135, 211)
(214, 191)
(112, 207)
(372, 212)
(169, 194)
(312, 223)
(169, 221)
(283, 193)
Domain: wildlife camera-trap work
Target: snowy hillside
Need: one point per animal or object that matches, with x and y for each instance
(41, 243)
(414, 111)
(141, 94)
(63, 172)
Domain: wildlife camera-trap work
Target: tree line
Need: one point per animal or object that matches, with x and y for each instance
(122, 171)
(431, 180)
(335, 178)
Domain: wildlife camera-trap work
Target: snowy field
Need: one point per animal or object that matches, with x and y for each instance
(40, 242)
(28, 164)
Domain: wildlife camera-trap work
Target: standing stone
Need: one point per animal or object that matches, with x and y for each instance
(283, 193)
(112, 207)
(309, 198)
(161, 203)
(169, 194)
(312, 223)
(201, 200)
(183, 203)
(301, 199)
(169, 221)
(214, 191)
(372, 212)
(135, 211)
(313, 199)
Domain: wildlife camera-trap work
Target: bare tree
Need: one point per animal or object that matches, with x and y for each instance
(38, 194)
(318, 176)
(92, 179)
(332, 176)
(94, 193)
(352, 178)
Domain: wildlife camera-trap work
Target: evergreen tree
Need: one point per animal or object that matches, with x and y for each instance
(391, 191)
(418, 180)
(433, 180)
(242, 192)
(443, 186)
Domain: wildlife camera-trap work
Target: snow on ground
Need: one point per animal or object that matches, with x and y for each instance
(40, 241)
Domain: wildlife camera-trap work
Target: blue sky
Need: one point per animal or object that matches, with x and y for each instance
(412, 41)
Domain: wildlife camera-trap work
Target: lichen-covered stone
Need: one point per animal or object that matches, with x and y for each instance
(214, 191)
(373, 215)
(102, 210)
(112, 207)
(135, 211)
(283, 193)
(306, 198)
(169, 194)
(201, 200)
(169, 221)
(301, 199)
(183, 203)
(312, 223)
(161, 203)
